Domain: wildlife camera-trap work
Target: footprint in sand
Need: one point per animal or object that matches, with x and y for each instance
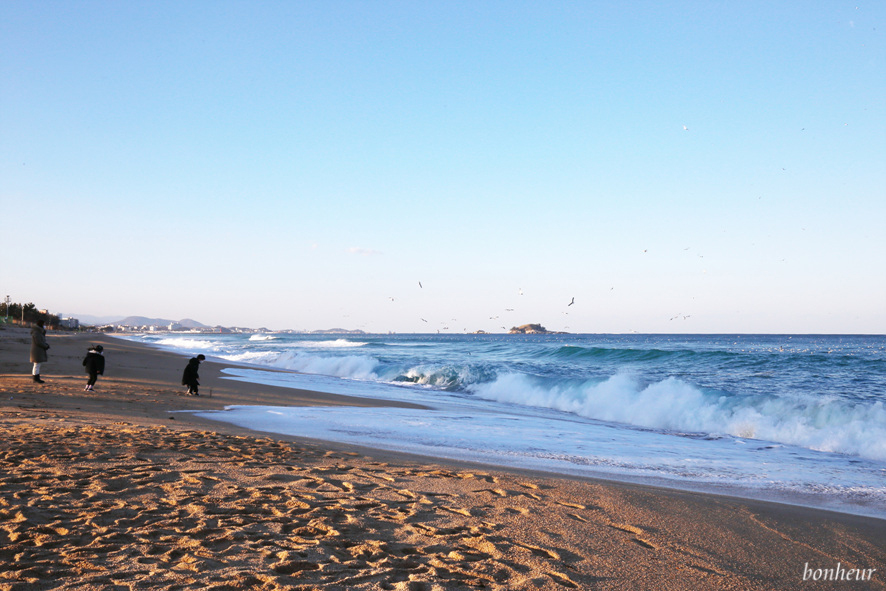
(539, 551)
(637, 532)
(480, 544)
(572, 505)
(563, 580)
(456, 510)
(495, 491)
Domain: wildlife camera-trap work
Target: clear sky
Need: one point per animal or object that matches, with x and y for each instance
(414, 166)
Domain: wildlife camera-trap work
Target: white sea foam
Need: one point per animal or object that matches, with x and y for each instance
(359, 367)
(609, 410)
(262, 337)
(336, 344)
(475, 432)
(253, 357)
(184, 343)
(672, 404)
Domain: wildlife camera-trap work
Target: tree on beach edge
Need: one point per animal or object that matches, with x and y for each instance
(25, 314)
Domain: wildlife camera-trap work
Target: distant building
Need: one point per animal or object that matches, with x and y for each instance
(71, 323)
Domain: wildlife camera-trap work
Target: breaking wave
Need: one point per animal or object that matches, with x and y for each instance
(336, 344)
(262, 337)
(675, 405)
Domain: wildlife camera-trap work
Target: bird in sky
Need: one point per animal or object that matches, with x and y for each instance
(570, 303)
(419, 284)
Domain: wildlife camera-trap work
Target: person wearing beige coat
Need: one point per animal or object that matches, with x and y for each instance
(39, 346)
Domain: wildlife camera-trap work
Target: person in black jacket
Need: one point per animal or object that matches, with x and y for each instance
(95, 365)
(190, 376)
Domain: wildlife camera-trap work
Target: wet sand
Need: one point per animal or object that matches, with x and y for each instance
(113, 489)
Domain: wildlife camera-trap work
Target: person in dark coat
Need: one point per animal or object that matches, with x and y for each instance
(39, 348)
(95, 365)
(190, 376)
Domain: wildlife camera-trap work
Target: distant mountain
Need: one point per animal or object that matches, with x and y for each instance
(144, 321)
(90, 319)
(135, 321)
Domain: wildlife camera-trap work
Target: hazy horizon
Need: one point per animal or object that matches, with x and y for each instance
(210, 325)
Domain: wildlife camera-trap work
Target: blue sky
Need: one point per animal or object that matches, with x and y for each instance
(673, 166)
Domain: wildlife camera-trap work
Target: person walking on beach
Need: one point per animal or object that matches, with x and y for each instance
(190, 376)
(95, 365)
(39, 346)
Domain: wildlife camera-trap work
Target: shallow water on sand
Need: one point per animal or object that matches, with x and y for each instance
(792, 418)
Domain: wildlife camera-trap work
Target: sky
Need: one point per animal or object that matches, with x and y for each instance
(670, 167)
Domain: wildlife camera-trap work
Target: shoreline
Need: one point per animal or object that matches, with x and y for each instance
(854, 503)
(536, 530)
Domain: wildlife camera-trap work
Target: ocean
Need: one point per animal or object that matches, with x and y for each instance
(790, 418)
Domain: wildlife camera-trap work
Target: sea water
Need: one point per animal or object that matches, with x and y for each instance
(798, 419)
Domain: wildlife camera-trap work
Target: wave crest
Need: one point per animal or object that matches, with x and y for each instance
(675, 405)
(359, 367)
(187, 344)
(336, 344)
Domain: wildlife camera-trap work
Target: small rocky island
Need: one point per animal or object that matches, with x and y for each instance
(532, 329)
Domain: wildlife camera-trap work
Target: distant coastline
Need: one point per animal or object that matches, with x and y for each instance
(143, 324)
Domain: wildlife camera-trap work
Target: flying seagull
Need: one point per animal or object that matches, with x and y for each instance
(419, 284)
(570, 303)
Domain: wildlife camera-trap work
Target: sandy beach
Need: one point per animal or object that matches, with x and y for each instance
(117, 489)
